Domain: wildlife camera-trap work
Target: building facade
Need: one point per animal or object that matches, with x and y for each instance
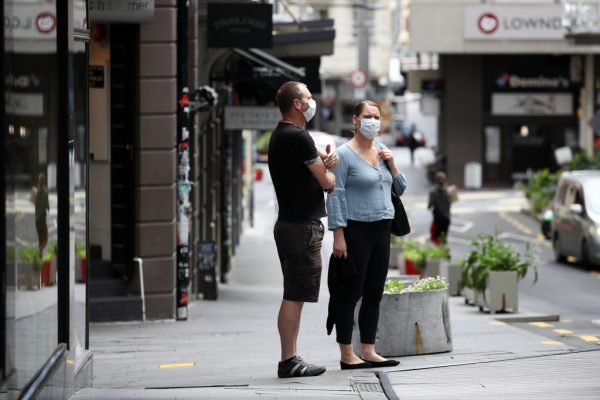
(513, 89)
(44, 199)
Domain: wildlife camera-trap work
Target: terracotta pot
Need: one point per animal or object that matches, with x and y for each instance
(46, 273)
(411, 269)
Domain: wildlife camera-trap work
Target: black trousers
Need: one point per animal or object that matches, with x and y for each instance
(369, 249)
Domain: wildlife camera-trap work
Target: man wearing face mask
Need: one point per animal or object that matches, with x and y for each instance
(360, 214)
(300, 174)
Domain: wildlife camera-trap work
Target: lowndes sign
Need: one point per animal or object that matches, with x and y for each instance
(520, 22)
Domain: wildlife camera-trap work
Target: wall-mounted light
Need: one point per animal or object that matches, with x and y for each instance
(11, 129)
(524, 131)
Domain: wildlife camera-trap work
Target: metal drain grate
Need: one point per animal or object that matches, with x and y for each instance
(368, 387)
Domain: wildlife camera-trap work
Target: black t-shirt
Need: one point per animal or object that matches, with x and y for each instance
(299, 194)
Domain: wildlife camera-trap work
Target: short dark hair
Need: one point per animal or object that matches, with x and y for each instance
(440, 177)
(287, 93)
(360, 106)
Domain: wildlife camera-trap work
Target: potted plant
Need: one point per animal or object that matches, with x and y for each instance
(414, 319)
(29, 267)
(80, 261)
(493, 270)
(48, 272)
(436, 258)
(412, 252)
(452, 273)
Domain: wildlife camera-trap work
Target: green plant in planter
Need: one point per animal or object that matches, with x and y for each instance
(50, 252)
(80, 250)
(426, 285)
(436, 252)
(492, 254)
(393, 286)
(541, 188)
(413, 251)
(31, 255)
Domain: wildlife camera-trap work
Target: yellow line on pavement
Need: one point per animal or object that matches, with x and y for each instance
(563, 331)
(589, 338)
(497, 323)
(70, 362)
(567, 321)
(178, 365)
(516, 223)
(552, 343)
(541, 324)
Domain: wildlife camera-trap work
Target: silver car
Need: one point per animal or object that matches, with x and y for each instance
(576, 220)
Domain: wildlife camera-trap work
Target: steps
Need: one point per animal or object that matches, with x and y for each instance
(109, 298)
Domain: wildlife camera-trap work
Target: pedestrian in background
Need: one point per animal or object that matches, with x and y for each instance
(439, 204)
(299, 171)
(360, 213)
(41, 207)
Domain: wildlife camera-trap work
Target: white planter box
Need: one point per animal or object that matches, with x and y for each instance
(452, 274)
(469, 295)
(433, 268)
(501, 293)
(395, 256)
(411, 324)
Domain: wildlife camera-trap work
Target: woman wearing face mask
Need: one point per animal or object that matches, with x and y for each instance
(360, 213)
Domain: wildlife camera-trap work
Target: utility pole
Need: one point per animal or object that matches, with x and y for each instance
(363, 31)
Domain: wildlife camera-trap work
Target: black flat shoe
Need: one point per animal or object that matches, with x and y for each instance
(384, 363)
(364, 364)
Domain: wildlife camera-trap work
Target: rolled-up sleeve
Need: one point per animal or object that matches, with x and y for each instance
(337, 209)
(399, 184)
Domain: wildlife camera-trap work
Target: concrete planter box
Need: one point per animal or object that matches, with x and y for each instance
(469, 295)
(411, 324)
(28, 275)
(501, 293)
(452, 274)
(433, 268)
(395, 255)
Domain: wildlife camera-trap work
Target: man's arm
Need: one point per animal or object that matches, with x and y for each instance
(325, 178)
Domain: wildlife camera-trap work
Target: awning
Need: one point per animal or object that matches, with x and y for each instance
(271, 62)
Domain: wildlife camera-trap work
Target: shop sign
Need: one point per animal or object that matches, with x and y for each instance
(242, 25)
(121, 10)
(514, 81)
(29, 21)
(499, 22)
(96, 76)
(532, 104)
(24, 104)
(248, 117)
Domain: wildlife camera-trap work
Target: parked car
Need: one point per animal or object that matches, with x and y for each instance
(576, 217)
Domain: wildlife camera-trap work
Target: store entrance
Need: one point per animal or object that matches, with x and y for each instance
(512, 148)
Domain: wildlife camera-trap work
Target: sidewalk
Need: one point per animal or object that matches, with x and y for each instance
(228, 349)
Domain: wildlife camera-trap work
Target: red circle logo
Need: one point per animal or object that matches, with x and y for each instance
(488, 23)
(45, 22)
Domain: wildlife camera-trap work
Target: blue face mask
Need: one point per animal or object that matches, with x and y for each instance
(369, 127)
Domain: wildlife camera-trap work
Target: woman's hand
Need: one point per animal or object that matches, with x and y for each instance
(339, 244)
(387, 156)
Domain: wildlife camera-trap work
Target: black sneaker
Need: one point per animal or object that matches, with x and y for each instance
(296, 366)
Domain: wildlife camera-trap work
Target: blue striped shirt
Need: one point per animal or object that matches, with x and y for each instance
(362, 191)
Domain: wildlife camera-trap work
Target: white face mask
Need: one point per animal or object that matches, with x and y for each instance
(369, 127)
(312, 109)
